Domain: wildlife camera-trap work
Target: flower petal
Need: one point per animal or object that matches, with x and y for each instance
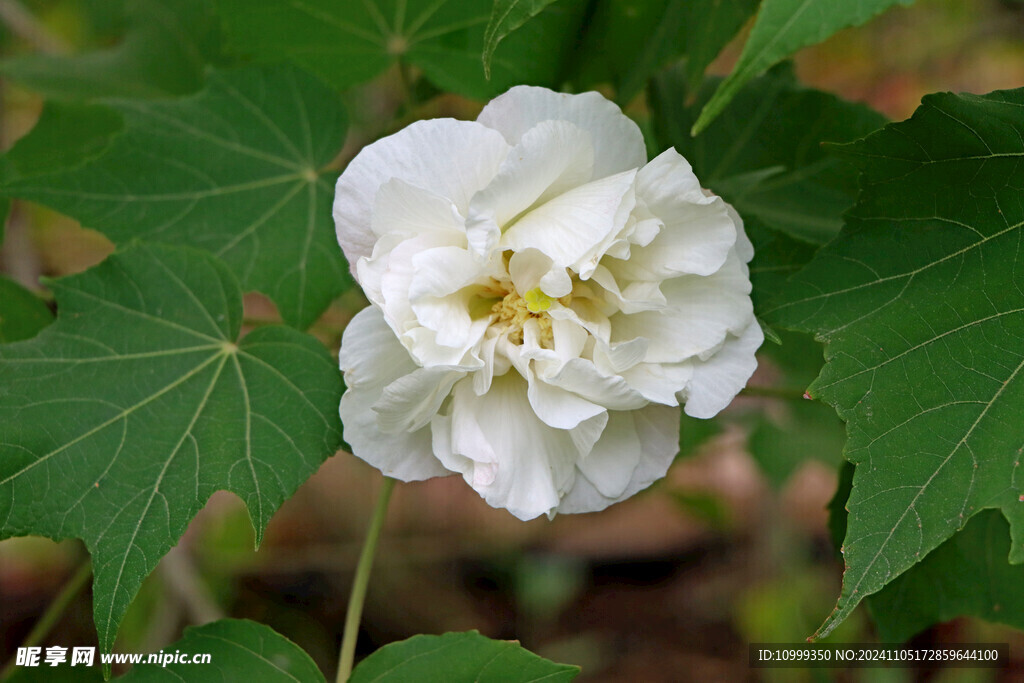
(576, 227)
(659, 382)
(552, 157)
(581, 378)
(440, 293)
(610, 464)
(503, 450)
(532, 268)
(409, 403)
(700, 312)
(618, 142)
(404, 209)
(371, 359)
(646, 440)
(387, 276)
(717, 380)
(698, 231)
(452, 159)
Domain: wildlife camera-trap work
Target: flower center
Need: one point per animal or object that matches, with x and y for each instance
(515, 310)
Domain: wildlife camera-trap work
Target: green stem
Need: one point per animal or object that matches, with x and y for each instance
(774, 392)
(358, 595)
(53, 612)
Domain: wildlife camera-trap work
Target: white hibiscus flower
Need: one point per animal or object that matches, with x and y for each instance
(543, 300)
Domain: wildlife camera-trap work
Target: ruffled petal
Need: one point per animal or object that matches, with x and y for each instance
(701, 311)
(503, 450)
(371, 359)
(532, 268)
(717, 380)
(387, 276)
(581, 378)
(452, 159)
(440, 293)
(576, 227)
(411, 401)
(551, 158)
(618, 142)
(648, 439)
(698, 231)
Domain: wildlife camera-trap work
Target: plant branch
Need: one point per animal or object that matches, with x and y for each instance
(358, 596)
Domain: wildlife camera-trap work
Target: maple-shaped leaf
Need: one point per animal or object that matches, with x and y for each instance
(238, 169)
(920, 301)
(120, 419)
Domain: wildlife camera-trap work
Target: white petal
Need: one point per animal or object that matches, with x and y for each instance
(371, 359)
(503, 451)
(409, 403)
(659, 382)
(656, 430)
(580, 377)
(559, 408)
(532, 268)
(440, 293)
(698, 230)
(426, 351)
(389, 276)
(452, 159)
(555, 406)
(700, 312)
(618, 142)
(642, 295)
(576, 227)
(551, 158)
(610, 464)
(717, 380)
(744, 248)
(407, 210)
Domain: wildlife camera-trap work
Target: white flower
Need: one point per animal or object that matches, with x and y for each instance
(543, 299)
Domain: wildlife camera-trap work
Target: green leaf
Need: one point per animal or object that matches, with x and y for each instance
(795, 431)
(350, 41)
(65, 136)
(126, 414)
(709, 26)
(458, 658)
(239, 649)
(237, 169)
(506, 17)
(783, 27)
(920, 302)
(968, 575)
(765, 155)
(626, 42)
(166, 46)
(22, 313)
(776, 257)
(837, 514)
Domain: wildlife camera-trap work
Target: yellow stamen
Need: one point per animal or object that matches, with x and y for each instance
(537, 301)
(514, 311)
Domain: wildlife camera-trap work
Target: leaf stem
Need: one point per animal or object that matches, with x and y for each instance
(358, 595)
(775, 392)
(53, 612)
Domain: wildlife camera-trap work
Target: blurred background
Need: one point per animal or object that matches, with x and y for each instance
(732, 547)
